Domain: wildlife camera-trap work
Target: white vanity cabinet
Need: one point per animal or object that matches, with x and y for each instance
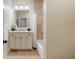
(20, 40)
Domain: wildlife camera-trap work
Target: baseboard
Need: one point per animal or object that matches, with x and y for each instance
(4, 41)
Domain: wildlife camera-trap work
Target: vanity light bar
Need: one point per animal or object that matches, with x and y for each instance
(21, 7)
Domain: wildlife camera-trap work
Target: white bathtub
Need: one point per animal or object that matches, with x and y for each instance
(40, 48)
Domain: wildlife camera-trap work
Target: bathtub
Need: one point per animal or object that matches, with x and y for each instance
(40, 48)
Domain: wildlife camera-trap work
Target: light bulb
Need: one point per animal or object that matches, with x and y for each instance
(26, 7)
(16, 7)
(21, 6)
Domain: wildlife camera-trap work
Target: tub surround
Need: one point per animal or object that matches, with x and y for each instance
(40, 48)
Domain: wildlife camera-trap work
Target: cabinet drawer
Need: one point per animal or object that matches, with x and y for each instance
(20, 34)
(10, 38)
(29, 34)
(12, 35)
(20, 37)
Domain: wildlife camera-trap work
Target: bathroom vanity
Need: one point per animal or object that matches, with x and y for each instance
(21, 40)
(24, 37)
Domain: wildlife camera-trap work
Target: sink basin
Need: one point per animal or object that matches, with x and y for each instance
(21, 29)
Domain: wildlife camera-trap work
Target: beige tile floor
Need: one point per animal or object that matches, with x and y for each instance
(20, 54)
(32, 52)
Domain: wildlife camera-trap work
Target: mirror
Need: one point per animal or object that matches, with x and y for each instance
(22, 18)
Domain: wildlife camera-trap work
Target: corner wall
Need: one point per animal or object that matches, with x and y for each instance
(60, 29)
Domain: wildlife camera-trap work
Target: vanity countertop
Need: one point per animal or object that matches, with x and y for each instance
(20, 31)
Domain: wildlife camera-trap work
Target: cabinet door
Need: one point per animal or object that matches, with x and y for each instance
(12, 43)
(23, 43)
(12, 39)
(29, 43)
(18, 43)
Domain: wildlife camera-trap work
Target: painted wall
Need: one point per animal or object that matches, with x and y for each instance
(9, 20)
(60, 27)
